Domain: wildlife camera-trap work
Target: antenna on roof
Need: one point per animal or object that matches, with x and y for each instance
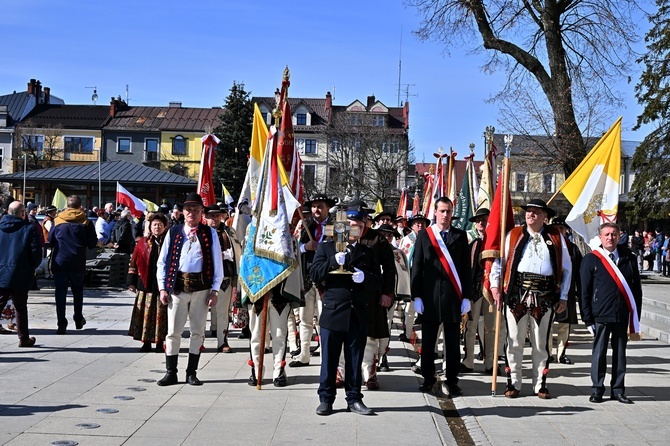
(333, 94)
(127, 98)
(399, 65)
(94, 96)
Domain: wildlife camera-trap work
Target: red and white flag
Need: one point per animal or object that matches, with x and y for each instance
(205, 183)
(137, 207)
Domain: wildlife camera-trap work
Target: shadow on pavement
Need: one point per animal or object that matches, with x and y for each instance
(19, 410)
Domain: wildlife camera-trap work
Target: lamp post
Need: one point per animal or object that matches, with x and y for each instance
(25, 165)
(99, 178)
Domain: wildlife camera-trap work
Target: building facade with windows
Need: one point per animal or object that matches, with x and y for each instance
(356, 150)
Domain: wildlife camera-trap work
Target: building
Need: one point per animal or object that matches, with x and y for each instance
(355, 150)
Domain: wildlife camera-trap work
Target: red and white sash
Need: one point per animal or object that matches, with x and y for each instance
(620, 280)
(445, 258)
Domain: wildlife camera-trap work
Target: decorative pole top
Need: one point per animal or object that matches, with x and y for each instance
(508, 144)
(488, 133)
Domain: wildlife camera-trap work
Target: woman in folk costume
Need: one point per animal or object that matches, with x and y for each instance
(149, 319)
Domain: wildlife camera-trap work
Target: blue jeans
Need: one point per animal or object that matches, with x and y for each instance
(75, 280)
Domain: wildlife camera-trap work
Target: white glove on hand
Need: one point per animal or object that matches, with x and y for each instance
(418, 305)
(358, 276)
(465, 306)
(340, 258)
(592, 329)
(228, 254)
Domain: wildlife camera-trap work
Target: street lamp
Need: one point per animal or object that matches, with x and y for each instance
(99, 177)
(25, 164)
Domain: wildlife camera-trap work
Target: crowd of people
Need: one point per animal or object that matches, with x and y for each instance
(184, 264)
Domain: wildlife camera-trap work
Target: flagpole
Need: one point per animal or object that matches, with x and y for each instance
(501, 255)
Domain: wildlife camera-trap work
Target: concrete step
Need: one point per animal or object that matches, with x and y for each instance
(655, 329)
(654, 304)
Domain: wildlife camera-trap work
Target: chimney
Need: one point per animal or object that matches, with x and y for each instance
(112, 107)
(174, 104)
(47, 95)
(31, 87)
(38, 92)
(329, 107)
(371, 102)
(405, 115)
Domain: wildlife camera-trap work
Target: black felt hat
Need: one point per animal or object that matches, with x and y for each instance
(536, 203)
(193, 198)
(480, 212)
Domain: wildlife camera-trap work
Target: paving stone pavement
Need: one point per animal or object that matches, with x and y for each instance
(54, 391)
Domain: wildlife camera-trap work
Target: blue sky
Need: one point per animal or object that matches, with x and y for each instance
(193, 51)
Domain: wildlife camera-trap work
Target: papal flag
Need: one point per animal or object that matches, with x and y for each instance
(379, 207)
(59, 200)
(151, 206)
(593, 187)
(227, 198)
(259, 139)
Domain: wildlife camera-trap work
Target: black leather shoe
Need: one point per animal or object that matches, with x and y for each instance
(280, 381)
(565, 360)
(169, 379)
(252, 380)
(297, 363)
(416, 369)
(324, 409)
(213, 334)
(359, 408)
(384, 364)
(464, 369)
(455, 391)
(294, 352)
(62, 329)
(596, 398)
(245, 333)
(426, 387)
(403, 338)
(621, 398)
(193, 380)
(80, 324)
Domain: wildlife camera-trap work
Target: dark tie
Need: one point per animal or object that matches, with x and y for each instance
(445, 235)
(317, 232)
(612, 257)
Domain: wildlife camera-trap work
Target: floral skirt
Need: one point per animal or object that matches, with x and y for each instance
(149, 319)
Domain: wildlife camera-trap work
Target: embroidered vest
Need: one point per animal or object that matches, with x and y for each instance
(204, 234)
(518, 239)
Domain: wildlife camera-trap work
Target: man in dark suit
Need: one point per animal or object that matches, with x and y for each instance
(609, 309)
(344, 316)
(440, 288)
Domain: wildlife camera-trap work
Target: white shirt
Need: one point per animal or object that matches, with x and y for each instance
(535, 259)
(190, 260)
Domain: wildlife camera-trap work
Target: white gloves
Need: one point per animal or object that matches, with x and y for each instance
(358, 276)
(592, 329)
(228, 254)
(340, 258)
(418, 305)
(465, 306)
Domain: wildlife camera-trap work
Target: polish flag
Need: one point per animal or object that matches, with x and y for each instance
(136, 206)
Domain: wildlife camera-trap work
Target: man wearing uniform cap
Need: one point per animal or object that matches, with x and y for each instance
(319, 206)
(537, 279)
(177, 217)
(189, 275)
(344, 319)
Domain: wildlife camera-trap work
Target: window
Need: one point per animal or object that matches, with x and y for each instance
(301, 119)
(310, 146)
(309, 175)
(151, 149)
(78, 144)
(521, 184)
(390, 147)
(179, 146)
(335, 145)
(548, 183)
(123, 145)
(377, 121)
(356, 119)
(33, 143)
(389, 178)
(333, 173)
(357, 145)
(2, 157)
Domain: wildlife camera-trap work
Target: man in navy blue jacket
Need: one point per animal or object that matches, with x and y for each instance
(611, 298)
(20, 255)
(72, 234)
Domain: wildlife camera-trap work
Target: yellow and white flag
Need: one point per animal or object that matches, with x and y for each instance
(59, 200)
(593, 187)
(227, 198)
(259, 140)
(151, 206)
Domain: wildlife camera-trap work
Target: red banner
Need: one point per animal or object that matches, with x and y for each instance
(205, 183)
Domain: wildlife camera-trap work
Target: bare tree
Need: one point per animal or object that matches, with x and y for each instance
(366, 160)
(43, 146)
(574, 50)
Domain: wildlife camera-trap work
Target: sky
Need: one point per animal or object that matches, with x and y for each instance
(192, 52)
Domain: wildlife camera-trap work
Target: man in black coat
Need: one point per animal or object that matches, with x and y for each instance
(20, 255)
(609, 309)
(344, 316)
(440, 288)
